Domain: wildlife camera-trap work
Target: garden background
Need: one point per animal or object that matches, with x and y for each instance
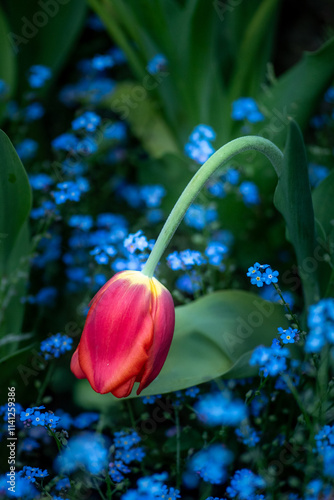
(108, 109)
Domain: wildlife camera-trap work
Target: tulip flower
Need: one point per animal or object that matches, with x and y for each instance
(130, 324)
(127, 334)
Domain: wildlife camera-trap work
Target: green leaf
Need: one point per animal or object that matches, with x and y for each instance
(15, 198)
(214, 336)
(15, 204)
(297, 92)
(43, 32)
(323, 196)
(253, 52)
(293, 199)
(7, 60)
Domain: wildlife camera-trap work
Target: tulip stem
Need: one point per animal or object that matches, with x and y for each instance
(217, 160)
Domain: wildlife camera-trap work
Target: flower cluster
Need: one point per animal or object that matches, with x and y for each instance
(199, 147)
(220, 409)
(70, 190)
(126, 452)
(87, 450)
(248, 435)
(211, 463)
(246, 108)
(261, 274)
(199, 217)
(272, 360)
(245, 485)
(136, 241)
(38, 76)
(152, 488)
(88, 121)
(325, 447)
(33, 473)
(321, 325)
(33, 416)
(186, 259)
(55, 346)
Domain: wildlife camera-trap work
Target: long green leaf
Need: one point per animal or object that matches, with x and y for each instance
(7, 60)
(15, 198)
(293, 199)
(255, 42)
(323, 197)
(297, 92)
(15, 204)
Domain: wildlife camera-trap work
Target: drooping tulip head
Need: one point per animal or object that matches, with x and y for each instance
(127, 334)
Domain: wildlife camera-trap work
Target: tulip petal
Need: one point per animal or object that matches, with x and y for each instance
(124, 390)
(163, 313)
(75, 366)
(118, 334)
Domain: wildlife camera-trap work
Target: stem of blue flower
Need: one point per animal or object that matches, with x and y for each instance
(217, 160)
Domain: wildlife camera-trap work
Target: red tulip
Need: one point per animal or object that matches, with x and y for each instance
(127, 334)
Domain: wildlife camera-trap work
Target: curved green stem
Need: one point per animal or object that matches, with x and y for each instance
(223, 155)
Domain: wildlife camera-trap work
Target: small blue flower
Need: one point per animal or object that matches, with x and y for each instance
(216, 251)
(321, 325)
(211, 463)
(84, 222)
(63, 483)
(27, 149)
(272, 360)
(157, 64)
(186, 259)
(136, 241)
(102, 62)
(257, 279)
(317, 173)
(65, 142)
(150, 400)
(288, 336)
(33, 112)
(270, 276)
(220, 409)
(198, 216)
(88, 121)
(199, 147)
(87, 146)
(68, 191)
(56, 345)
(3, 89)
(38, 75)
(329, 95)
(250, 193)
(115, 131)
(45, 297)
(244, 485)
(88, 450)
(40, 181)
(189, 283)
(152, 195)
(85, 419)
(248, 435)
(246, 108)
(192, 392)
